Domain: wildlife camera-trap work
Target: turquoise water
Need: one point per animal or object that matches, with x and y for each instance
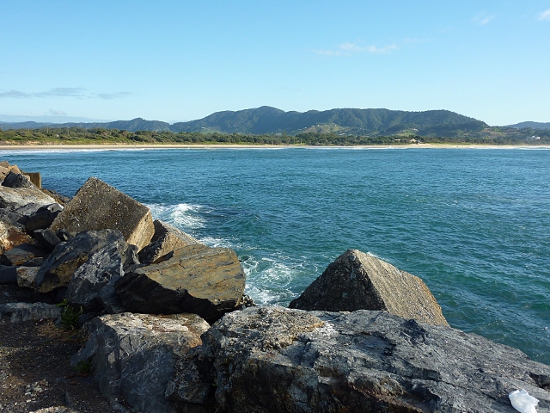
(474, 224)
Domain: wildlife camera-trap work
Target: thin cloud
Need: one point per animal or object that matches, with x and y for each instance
(55, 112)
(109, 96)
(71, 92)
(482, 20)
(349, 49)
(545, 15)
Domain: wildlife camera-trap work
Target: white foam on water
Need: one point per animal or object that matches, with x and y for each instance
(182, 216)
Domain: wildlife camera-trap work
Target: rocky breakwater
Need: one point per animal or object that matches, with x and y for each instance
(169, 329)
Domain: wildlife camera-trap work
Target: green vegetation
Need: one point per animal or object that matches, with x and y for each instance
(76, 136)
(69, 315)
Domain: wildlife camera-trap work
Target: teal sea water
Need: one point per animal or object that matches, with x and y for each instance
(474, 224)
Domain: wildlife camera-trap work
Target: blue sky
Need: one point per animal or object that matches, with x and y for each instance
(183, 60)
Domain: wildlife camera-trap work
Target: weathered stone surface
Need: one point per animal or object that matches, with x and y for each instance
(12, 235)
(98, 206)
(66, 257)
(133, 355)
(14, 198)
(17, 312)
(167, 239)
(21, 254)
(274, 359)
(356, 281)
(26, 276)
(92, 276)
(196, 279)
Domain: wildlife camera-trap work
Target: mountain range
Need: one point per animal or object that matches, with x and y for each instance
(269, 120)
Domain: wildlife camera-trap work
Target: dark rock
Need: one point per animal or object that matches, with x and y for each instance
(8, 274)
(98, 206)
(34, 262)
(165, 241)
(46, 238)
(197, 279)
(43, 217)
(272, 359)
(21, 254)
(15, 180)
(356, 281)
(92, 276)
(109, 300)
(133, 355)
(58, 268)
(18, 312)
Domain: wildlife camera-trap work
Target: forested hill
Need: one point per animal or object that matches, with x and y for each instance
(268, 120)
(531, 125)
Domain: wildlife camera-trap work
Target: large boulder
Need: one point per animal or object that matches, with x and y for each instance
(98, 206)
(166, 240)
(196, 279)
(274, 359)
(58, 269)
(356, 281)
(133, 355)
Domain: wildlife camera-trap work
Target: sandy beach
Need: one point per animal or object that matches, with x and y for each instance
(245, 146)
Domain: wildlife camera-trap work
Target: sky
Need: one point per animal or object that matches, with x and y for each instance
(180, 60)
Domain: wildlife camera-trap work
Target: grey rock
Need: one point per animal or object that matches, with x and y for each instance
(356, 281)
(57, 270)
(196, 279)
(273, 359)
(133, 355)
(92, 276)
(18, 312)
(97, 206)
(26, 276)
(13, 198)
(165, 241)
(29, 209)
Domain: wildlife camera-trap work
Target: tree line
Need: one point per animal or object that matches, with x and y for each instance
(75, 135)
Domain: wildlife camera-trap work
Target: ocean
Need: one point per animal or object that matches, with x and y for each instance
(474, 224)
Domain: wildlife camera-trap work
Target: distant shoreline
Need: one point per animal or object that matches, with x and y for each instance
(247, 146)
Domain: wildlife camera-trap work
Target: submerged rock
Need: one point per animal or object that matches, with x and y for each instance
(356, 281)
